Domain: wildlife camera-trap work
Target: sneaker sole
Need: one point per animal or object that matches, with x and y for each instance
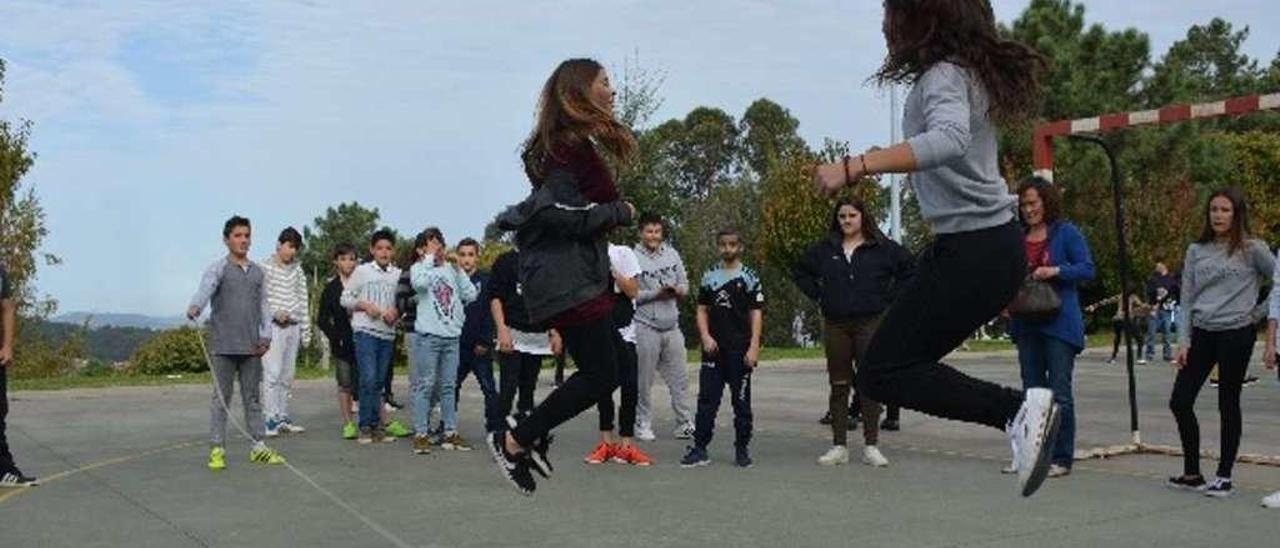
(1187, 488)
(1218, 494)
(696, 464)
(498, 459)
(1041, 469)
(875, 464)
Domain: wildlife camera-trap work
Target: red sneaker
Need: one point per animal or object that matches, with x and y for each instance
(632, 454)
(600, 454)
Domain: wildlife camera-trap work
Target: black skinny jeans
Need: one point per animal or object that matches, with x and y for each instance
(595, 353)
(629, 385)
(517, 379)
(1230, 351)
(964, 280)
(6, 459)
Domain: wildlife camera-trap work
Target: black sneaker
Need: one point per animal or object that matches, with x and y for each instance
(1250, 381)
(826, 419)
(514, 468)
(890, 425)
(695, 456)
(1187, 483)
(540, 451)
(1213, 383)
(742, 458)
(1218, 488)
(15, 478)
(391, 400)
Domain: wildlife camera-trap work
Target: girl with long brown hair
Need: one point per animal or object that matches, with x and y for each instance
(853, 273)
(965, 79)
(1223, 273)
(564, 268)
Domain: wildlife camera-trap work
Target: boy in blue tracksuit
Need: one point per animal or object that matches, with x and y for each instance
(730, 319)
(475, 352)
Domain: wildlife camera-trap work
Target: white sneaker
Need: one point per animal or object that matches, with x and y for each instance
(837, 455)
(683, 432)
(1272, 500)
(1032, 434)
(1058, 471)
(645, 434)
(872, 456)
(291, 428)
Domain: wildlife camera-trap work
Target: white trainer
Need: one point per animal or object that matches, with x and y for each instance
(291, 428)
(837, 455)
(645, 433)
(683, 432)
(1272, 500)
(872, 456)
(1032, 434)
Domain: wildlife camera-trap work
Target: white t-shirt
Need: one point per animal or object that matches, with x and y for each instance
(624, 261)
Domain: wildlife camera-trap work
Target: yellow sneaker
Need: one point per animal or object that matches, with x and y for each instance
(265, 455)
(217, 458)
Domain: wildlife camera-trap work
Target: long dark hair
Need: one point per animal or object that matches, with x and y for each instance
(921, 33)
(1239, 219)
(870, 228)
(567, 117)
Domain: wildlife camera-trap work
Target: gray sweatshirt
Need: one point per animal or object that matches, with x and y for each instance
(659, 269)
(957, 182)
(1220, 291)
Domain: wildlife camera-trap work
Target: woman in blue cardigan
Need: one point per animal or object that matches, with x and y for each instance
(1057, 252)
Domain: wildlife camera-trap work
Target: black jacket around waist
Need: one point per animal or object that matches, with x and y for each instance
(335, 322)
(564, 258)
(854, 288)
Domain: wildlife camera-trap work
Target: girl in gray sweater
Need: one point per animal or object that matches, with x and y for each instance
(1221, 279)
(965, 79)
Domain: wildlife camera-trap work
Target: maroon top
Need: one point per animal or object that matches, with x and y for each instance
(1037, 254)
(597, 186)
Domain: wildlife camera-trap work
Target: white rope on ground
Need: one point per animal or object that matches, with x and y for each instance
(375, 526)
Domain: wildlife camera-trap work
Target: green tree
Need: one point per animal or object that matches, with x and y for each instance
(22, 219)
(768, 135)
(171, 352)
(347, 223)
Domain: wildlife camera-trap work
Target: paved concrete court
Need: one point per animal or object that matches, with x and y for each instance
(125, 467)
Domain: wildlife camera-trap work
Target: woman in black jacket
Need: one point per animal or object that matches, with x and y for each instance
(564, 262)
(853, 273)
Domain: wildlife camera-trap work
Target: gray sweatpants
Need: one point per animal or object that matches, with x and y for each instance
(225, 371)
(662, 352)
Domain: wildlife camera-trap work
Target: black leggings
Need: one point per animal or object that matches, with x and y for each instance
(1230, 351)
(6, 459)
(629, 382)
(1135, 335)
(517, 375)
(596, 356)
(964, 280)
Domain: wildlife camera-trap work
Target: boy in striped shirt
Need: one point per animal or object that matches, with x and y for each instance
(286, 287)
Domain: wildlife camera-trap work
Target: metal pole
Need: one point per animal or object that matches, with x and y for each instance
(895, 180)
(1122, 245)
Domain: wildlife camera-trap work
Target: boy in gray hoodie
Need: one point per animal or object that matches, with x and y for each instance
(659, 341)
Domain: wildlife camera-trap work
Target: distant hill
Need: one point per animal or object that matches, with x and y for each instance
(106, 343)
(107, 319)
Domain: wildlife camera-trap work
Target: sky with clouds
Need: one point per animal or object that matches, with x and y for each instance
(155, 121)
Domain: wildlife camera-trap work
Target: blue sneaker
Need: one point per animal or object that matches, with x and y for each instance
(696, 456)
(742, 458)
(273, 428)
